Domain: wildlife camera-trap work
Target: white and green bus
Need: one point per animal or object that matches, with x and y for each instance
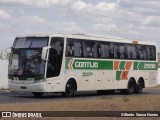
(70, 63)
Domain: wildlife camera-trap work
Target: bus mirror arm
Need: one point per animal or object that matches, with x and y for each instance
(44, 52)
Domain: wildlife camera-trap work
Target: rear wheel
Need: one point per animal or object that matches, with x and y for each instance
(131, 87)
(38, 94)
(139, 87)
(70, 89)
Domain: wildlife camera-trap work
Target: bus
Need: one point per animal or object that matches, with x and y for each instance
(66, 64)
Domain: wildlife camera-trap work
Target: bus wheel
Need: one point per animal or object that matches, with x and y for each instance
(70, 89)
(130, 89)
(139, 87)
(38, 94)
(131, 86)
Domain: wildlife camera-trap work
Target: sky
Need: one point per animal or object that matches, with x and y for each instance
(130, 19)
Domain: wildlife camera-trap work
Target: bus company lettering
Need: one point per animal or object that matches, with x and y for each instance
(150, 66)
(86, 64)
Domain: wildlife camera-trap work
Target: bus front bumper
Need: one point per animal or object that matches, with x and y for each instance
(35, 87)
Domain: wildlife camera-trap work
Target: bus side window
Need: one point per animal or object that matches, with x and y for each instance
(111, 50)
(70, 50)
(95, 51)
(154, 52)
(116, 51)
(78, 49)
(121, 51)
(131, 52)
(141, 52)
(151, 52)
(125, 51)
(90, 49)
(103, 50)
(144, 52)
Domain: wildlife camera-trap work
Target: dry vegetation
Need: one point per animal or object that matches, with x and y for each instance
(126, 103)
(108, 103)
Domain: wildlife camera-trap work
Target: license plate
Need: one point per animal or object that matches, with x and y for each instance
(23, 87)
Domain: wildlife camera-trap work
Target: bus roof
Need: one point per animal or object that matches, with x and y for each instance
(92, 37)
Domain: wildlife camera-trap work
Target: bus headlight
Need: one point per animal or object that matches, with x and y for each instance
(11, 81)
(39, 81)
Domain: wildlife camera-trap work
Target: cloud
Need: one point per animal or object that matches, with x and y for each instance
(152, 20)
(4, 14)
(30, 20)
(133, 18)
(34, 3)
(79, 5)
(106, 6)
(146, 7)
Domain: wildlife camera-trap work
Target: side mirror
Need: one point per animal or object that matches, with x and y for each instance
(44, 52)
(5, 53)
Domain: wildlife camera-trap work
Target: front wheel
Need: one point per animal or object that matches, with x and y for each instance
(38, 94)
(70, 89)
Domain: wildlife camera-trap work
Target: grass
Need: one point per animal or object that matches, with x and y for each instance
(125, 103)
(107, 103)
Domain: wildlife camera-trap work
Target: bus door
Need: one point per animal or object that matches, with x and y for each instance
(55, 57)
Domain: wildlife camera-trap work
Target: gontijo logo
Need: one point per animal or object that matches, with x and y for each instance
(89, 64)
(80, 64)
(150, 66)
(86, 64)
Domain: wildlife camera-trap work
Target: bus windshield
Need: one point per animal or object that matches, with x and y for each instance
(25, 59)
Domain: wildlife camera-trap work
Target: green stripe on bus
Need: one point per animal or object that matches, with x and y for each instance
(118, 75)
(89, 64)
(106, 65)
(122, 64)
(145, 66)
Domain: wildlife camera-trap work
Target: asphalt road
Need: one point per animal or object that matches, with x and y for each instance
(21, 97)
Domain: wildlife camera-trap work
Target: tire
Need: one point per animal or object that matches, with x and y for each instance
(139, 87)
(130, 89)
(38, 94)
(131, 86)
(70, 89)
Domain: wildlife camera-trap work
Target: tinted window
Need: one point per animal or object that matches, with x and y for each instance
(151, 52)
(55, 57)
(103, 50)
(131, 51)
(141, 52)
(31, 42)
(90, 49)
(74, 48)
(112, 50)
